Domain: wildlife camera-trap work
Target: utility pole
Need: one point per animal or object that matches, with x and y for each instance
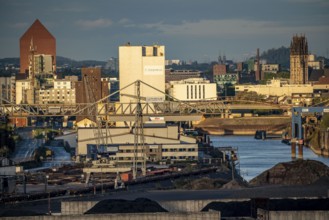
(139, 134)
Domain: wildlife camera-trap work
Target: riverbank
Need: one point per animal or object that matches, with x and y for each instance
(319, 151)
(256, 156)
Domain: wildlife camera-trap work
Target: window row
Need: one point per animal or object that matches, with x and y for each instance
(193, 91)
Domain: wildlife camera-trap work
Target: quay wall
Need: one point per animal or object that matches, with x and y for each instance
(192, 205)
(127, 216)
(80, 207)
(76, 207)
(288, 215)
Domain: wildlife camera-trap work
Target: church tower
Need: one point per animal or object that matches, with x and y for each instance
(298, 60)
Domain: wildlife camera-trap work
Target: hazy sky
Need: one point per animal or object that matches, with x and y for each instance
(190, 29)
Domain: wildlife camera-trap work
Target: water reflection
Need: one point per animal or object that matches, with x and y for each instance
(256, 156)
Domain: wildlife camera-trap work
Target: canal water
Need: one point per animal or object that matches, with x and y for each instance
(256, 156)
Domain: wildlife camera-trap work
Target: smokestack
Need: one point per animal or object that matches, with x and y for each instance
(258, 71)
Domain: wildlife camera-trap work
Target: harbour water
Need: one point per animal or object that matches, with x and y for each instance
(256, 156)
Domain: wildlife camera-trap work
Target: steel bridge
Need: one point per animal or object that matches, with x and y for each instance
(171, 109)
(120, 111)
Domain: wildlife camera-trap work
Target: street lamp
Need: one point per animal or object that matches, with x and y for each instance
(102, 180)
(82, 178)
(46, 182)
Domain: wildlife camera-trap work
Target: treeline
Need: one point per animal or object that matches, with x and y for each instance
(280, 55)
(60, 61)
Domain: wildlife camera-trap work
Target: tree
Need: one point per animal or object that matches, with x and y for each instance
(325, 121)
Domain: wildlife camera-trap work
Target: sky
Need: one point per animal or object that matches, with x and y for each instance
(190, 29)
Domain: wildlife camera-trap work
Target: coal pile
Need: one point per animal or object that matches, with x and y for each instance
(17, 213)
(299, 172)
(139, 205)
(235, 184)
(230, 209)
(249, 208)
(296, 204)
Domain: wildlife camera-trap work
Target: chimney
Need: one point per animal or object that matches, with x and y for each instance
(258, 71)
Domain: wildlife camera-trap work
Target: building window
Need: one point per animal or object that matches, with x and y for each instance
(199, 91)
(191, 91)
(204, 91)
(187, 92)
(196, 92)
(155, 51)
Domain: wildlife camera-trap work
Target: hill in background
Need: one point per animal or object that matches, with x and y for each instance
(280, 55)
(61, 61)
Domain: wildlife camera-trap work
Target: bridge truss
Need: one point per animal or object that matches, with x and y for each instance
(103, 107)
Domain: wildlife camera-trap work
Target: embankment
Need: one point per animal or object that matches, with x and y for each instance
(244, 126)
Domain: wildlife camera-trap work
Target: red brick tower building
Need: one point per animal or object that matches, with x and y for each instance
(43, 40)
(90, 89)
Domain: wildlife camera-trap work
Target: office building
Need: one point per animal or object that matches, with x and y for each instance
(62, 92)
(22, 91)
(276, 88)
(270, 68)
(7, 89)
(313, 63)
(220, 69)
(90, 89)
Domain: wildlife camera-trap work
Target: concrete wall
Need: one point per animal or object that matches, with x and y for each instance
(191, 205)
(76, 207)
(80, 207)
(128, 216)
(184, 205)
(288, 215)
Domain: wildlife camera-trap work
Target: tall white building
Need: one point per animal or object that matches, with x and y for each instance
(22, 88)
(62, 92)
(145, 63)
(7, 89)
(194, 89)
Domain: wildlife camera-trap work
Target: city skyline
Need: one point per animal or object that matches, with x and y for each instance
(190, 30)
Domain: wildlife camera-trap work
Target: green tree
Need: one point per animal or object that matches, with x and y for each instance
(324, 121)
